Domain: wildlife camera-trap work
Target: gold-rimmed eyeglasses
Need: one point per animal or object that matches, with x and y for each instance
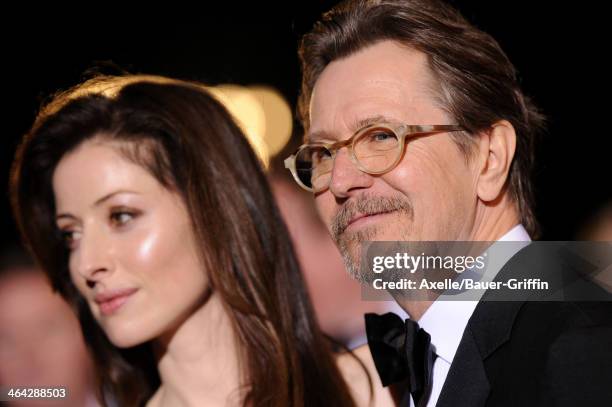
(374, 149)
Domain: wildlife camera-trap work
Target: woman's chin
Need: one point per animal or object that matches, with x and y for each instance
(123, 338)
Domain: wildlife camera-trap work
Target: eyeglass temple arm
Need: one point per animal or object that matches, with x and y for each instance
(413, 129)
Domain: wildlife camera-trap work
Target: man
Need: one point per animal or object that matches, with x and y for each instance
(417, 130)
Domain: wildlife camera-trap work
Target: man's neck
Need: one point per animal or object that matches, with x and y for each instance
(415, 309)
(493, 220)
(490, 224)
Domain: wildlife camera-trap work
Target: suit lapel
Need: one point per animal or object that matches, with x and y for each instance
(466, 383)
(489, 328)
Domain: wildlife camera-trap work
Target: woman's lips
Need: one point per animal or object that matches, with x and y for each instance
(110, 301)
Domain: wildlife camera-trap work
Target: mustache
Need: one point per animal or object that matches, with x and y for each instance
(367, 205)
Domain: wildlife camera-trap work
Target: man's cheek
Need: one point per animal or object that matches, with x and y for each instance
(324, 209)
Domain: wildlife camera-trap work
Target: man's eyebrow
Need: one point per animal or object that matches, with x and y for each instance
(361, 123)
(354, 126)
(313, 137)
(98, 202)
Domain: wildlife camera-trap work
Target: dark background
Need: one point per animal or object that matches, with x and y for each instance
(559, 51)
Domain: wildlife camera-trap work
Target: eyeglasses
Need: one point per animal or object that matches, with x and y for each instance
(374, 149)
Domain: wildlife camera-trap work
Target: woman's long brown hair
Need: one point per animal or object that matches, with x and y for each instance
(190, 144)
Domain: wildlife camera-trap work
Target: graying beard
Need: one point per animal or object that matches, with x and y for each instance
(366, 205)
(351, 243)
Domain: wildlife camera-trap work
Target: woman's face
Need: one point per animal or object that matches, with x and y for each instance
(132, 249)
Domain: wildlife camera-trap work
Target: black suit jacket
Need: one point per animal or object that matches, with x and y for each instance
(527, 353)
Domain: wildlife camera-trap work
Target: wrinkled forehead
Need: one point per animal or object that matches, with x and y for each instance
(385, 79)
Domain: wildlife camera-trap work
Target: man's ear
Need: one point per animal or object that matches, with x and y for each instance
(496, 151)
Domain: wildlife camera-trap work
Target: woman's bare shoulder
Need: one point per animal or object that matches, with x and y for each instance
(357, 380)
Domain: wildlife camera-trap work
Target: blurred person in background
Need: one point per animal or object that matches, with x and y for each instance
(598, 228)
(40, 338)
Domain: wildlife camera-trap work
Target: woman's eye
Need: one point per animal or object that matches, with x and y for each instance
(69, 237)
(121, 217)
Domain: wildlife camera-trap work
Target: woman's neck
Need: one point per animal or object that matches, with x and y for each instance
(198, 361)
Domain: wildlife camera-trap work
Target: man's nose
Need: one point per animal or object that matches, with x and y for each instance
(346, 178)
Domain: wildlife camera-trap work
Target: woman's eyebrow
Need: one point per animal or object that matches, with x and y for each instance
(110, 195)
(64, 216)
(98, 202)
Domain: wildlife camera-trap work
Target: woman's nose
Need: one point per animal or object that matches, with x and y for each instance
(93, 260)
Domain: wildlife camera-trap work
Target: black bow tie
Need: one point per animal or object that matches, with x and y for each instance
(401, 351)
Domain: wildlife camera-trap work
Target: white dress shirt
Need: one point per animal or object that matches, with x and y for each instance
(445, 322)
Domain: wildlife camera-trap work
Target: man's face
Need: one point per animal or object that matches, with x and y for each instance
(429, 195)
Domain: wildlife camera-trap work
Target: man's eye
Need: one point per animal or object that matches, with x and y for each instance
(320, 154)
(382, 136)
(323, 154)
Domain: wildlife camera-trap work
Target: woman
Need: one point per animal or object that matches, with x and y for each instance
(147, 208)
